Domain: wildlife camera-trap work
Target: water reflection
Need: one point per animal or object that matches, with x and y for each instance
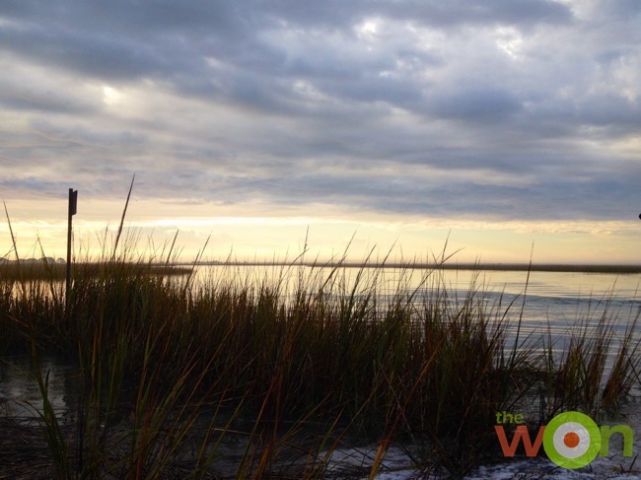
(19, 392)
(555, 306)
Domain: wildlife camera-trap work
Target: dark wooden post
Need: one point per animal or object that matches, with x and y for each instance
(73, 208)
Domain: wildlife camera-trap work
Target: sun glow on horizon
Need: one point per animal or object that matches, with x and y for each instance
(258, 234)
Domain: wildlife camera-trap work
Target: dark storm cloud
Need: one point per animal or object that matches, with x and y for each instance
(501, 107)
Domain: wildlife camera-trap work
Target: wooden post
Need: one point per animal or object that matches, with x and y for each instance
(73, 208)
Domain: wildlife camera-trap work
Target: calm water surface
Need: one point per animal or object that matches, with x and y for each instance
(545, 301)
(556, 302)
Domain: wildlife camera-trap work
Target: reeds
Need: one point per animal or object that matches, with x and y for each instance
(169, 372)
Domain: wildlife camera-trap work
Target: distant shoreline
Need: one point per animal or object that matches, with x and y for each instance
(504, 267)
(508, 267)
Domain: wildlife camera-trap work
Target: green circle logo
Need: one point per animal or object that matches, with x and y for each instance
(572, 440)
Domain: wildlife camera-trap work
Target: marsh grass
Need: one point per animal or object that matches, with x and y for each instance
(171, 369)
(595, 370)
(46, 270)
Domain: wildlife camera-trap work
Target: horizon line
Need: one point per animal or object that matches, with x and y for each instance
(491, 266)
(620, 268)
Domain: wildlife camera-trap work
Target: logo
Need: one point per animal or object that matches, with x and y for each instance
(571, 439)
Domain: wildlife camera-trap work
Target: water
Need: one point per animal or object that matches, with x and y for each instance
(556, 303)
(19, 391)
(546, 302)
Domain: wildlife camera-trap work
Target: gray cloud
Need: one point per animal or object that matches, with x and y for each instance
(497, 108)
(476, 105)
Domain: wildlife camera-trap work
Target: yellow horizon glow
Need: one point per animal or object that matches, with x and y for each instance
(259, 232)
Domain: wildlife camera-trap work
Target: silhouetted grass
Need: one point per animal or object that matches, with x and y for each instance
(170, 369)
(47, 270)
(161, 366)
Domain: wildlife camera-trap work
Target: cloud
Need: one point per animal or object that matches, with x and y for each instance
(476, 110)
(474, 105)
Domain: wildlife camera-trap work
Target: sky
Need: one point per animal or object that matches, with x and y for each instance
(502, 127)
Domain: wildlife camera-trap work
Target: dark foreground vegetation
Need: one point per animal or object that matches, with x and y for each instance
(171, 371)
(45, 269)
(177, 377)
